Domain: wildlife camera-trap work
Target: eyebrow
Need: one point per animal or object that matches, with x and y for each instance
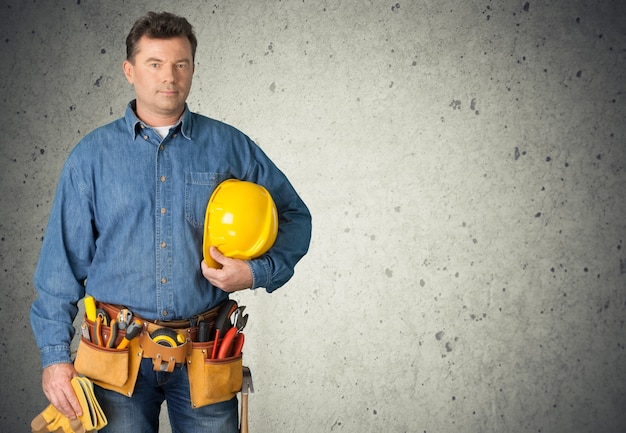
(154, 59)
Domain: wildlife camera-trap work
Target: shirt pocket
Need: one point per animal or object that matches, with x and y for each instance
(198, 189)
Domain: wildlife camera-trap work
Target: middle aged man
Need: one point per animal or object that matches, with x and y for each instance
(126, 227)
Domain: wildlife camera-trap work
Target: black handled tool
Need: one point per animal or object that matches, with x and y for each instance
(203, 332)
(222, 321)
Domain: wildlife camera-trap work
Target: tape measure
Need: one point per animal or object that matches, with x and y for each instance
(168, 338)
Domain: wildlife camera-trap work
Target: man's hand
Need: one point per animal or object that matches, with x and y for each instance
(234, 275)
(58, 389)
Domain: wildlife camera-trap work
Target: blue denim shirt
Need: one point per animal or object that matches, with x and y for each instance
(126, 224)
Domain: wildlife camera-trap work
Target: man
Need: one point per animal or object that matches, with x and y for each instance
(126, 227)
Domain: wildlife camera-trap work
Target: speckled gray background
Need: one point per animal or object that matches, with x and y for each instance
(464, 165)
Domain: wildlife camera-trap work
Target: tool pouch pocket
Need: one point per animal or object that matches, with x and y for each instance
(163, 358)
(110, 368)
(212, 380)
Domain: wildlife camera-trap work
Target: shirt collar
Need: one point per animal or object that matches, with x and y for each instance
(134, 123)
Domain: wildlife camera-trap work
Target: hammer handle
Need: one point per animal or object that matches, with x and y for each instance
(244, 413)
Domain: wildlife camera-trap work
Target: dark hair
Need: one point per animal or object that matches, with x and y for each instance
(163, 25)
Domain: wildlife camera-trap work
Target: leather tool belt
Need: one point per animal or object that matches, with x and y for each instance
(185, 327)
(166, 357)
(113, 310)
(112, 361)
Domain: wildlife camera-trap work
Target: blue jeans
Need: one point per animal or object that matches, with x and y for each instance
(140, 413)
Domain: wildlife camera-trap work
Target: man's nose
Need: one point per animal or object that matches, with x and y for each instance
(169, 74)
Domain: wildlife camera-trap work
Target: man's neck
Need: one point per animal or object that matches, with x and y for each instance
(155, 120)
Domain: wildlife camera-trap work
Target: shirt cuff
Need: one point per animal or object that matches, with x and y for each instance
(261, 272)
(51, 355)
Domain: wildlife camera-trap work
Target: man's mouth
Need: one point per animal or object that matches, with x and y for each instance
(168, 92)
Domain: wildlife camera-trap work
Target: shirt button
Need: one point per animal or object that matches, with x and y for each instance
(163, 211)
(163, 178)
(164, 313)
(161, 147)
(163, 244)
(174, 135)
(145, 137)
(163, 280)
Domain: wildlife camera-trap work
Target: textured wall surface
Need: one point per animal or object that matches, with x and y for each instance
(464, 162)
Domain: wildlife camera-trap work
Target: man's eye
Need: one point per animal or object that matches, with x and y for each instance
(182, 66)
(154, 65)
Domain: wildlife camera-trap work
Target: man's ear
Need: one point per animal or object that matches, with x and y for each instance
(129, 70)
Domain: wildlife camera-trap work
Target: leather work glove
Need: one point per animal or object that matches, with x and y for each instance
(93, 418)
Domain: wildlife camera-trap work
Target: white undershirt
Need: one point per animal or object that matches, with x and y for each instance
(162, 130)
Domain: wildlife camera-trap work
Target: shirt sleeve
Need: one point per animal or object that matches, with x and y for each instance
(276, 267)
(66, 253)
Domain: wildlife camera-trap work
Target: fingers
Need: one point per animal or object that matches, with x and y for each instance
(210, 261)
(217, 255)
(234, 274)
(58, 389)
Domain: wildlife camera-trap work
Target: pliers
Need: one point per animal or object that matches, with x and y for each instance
(103, 320)
(113, 335)
(222, 323)
(132, 331)
(124, 318)
(232, 342)
(97, 331)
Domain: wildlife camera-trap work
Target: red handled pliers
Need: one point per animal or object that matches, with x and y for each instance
(222, 323)
(232, 344)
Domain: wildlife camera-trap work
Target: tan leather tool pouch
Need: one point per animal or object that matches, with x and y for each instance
(163, 358)
(110, 368)
(212, 380)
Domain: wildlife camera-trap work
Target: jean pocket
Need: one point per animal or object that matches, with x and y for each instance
(198, 189)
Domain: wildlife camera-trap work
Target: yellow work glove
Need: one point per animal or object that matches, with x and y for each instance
(51, 420)
(93, 417)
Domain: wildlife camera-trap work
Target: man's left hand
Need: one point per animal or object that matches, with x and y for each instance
(234, 275)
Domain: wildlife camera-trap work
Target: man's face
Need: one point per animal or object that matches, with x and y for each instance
(161, 74)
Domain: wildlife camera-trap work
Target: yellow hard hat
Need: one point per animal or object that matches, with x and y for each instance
(241, 221)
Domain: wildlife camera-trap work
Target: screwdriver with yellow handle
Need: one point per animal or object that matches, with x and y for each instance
(133, 330)
(90, 307)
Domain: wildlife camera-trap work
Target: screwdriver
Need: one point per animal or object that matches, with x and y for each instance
(90, 307)
(132, 331)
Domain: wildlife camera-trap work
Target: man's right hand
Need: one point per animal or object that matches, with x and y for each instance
(58, 389)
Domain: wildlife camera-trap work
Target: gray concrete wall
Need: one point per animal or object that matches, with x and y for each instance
(463, 161)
